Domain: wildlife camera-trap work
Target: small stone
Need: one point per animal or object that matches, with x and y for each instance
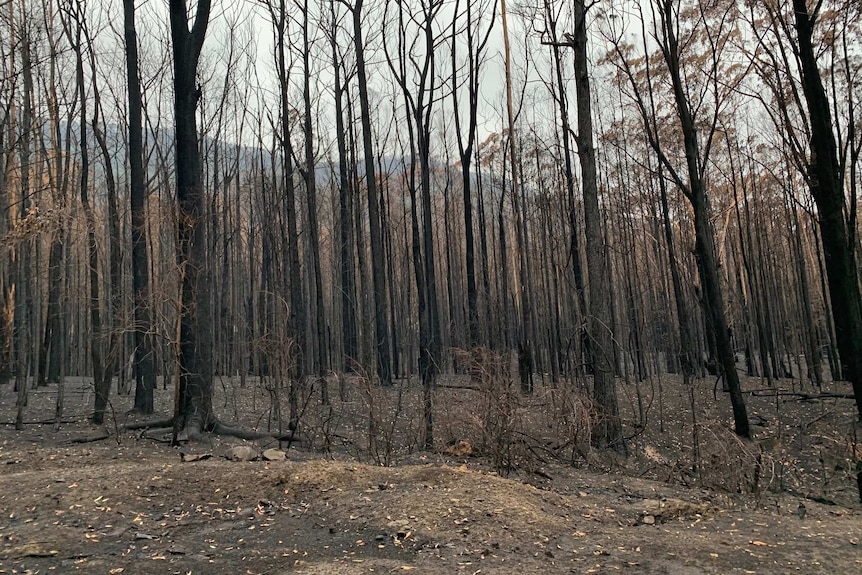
(648, 520)
(241, 453)
(274, 455)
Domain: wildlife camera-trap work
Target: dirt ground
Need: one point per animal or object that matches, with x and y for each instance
(784, 503)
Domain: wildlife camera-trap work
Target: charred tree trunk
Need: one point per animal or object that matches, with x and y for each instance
(466, 143)
(321, 347)
(378, 280)
(101, 385)
(20, 266)
(345, 216)
(707, 262)
(836, 232)
(145, 375)
(608, 433)
(193, 411)
(574, 260)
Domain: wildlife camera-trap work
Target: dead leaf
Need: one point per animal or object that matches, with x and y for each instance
(460, 448)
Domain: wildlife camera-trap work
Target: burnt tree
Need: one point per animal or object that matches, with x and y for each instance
(193, 409)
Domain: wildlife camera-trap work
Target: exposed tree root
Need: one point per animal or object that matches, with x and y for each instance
(160, 434)
(148, 424)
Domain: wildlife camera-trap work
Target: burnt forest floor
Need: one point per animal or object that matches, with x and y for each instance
(511, 488)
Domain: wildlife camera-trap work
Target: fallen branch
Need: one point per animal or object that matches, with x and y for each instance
(45, 422)
(157, 430)
(456, 386)
(221, 429)
(90, 439)
(800, 395)
(815, 498)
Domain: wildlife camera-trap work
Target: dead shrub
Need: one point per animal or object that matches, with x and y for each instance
(515, 431)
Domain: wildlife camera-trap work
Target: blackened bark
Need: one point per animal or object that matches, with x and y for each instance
(424, 116)
(6, 271)
(686, 354)
(568, 166)
(113, 362)
(704, 242)
(20, 264)
(145, 378)
(825, 181)
(379, 288)
(100, 384)
(296, 319)
(419, 102)
(466, 144)
(49, 357)
(608, 432)
(321, 348)
(194, 400)
(345, 216)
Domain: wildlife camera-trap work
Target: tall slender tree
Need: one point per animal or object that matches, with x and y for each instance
(378, 279)
(609, 430)
(346, 208)
(825, 180)
(145, 375)
(691, 178)
(475, 43)
(320, 353)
